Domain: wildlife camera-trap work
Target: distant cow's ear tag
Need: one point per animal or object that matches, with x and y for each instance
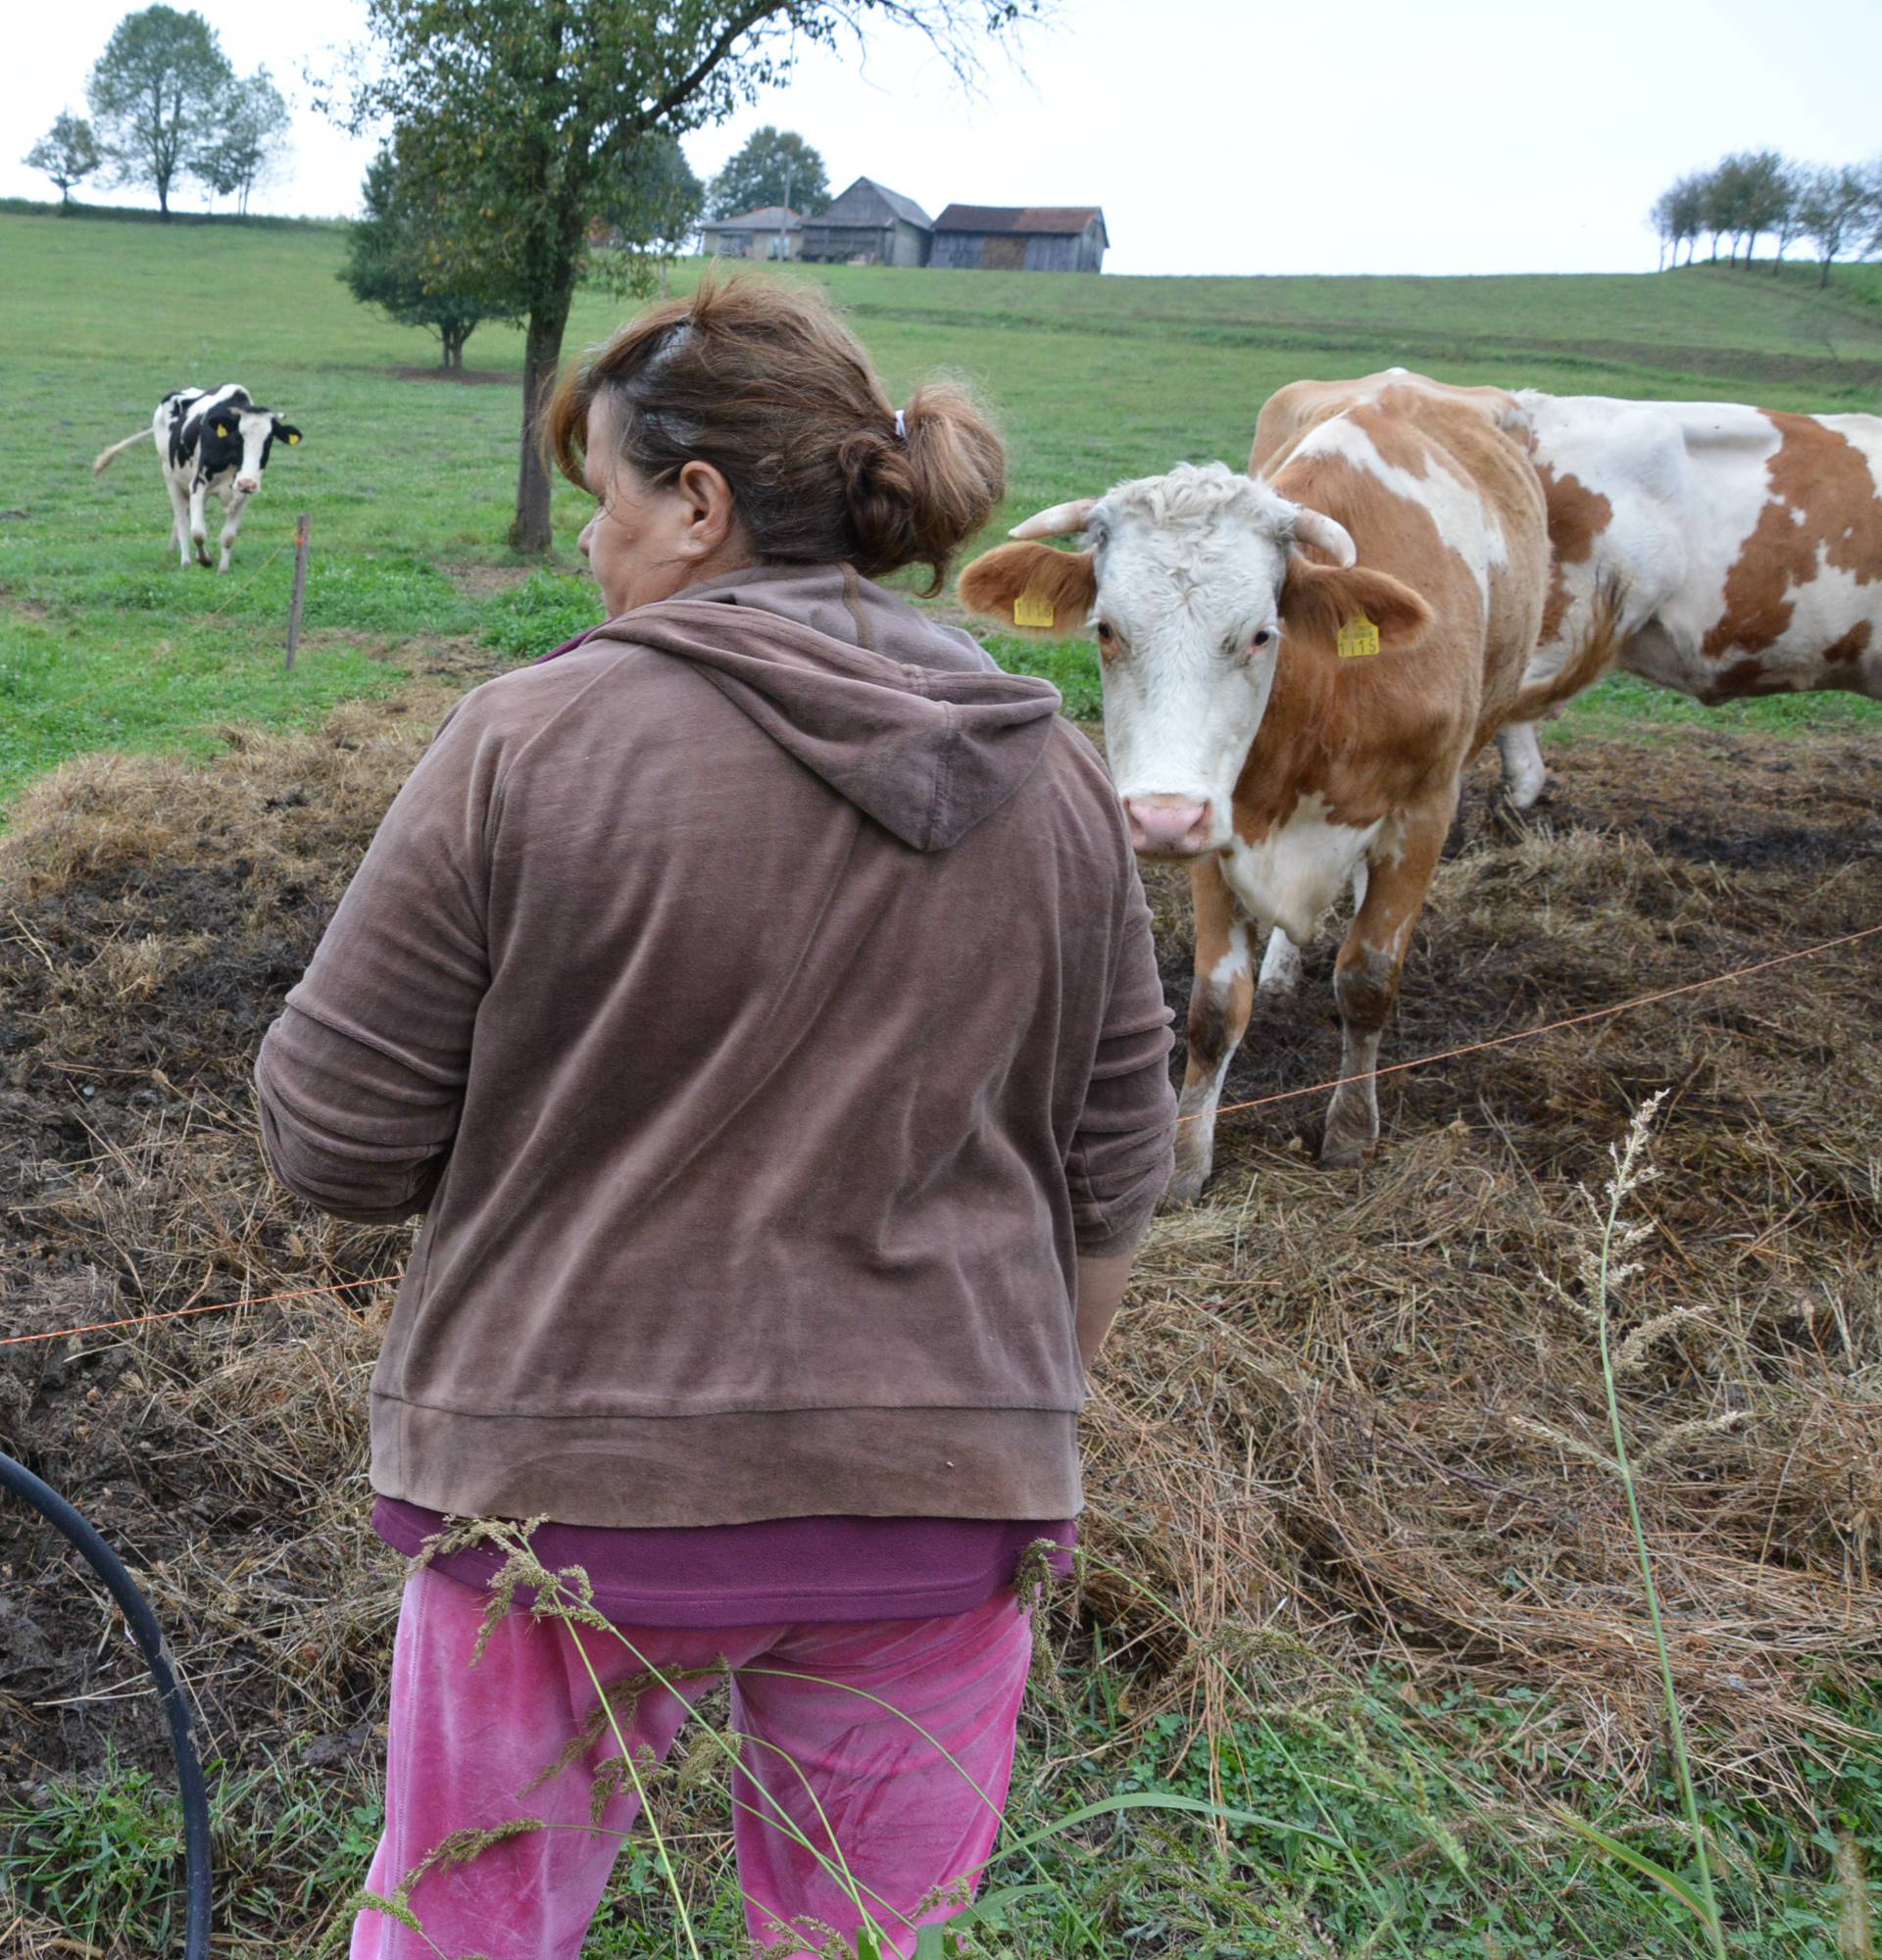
(1357, 639)
(220, 429)
(1029, 609)
(293, 439)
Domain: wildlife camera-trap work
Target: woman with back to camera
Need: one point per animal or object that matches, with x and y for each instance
(758, 997)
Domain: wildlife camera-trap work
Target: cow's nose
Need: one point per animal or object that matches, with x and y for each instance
(248, 485)
(1168, 826)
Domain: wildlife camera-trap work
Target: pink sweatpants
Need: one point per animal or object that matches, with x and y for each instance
(824, 1760)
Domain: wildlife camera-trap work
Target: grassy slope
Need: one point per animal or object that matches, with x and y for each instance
(104, 642)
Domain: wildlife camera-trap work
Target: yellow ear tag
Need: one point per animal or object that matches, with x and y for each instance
(220, 429)
(1357, 639)
(1028, 609)
(292, 440)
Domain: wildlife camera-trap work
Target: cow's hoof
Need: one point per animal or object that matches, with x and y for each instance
(1184, 1189)
(1512, 820)
(1344, 1150)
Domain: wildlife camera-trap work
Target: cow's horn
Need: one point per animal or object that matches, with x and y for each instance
(1316, 528)
(1061, 521)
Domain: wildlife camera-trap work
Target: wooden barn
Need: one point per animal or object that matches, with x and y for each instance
(869, 225)
(1022, 238)
(768, 232)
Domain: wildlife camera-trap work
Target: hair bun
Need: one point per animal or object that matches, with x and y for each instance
(920, 488)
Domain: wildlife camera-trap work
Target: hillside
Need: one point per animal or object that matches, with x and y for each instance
(409, 480)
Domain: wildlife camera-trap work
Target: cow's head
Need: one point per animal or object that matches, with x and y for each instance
(1189, 585)
(240, 436)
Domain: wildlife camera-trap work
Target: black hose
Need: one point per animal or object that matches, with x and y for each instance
(47, 1502)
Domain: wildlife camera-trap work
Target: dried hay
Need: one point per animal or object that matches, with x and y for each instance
(1348, 1419)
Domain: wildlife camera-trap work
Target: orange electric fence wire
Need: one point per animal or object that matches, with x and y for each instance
(212, 1306)
(1227, 1108)
(1551, 1027)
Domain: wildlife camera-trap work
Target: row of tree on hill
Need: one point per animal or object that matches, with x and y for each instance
(1756, 194)
(166, 105)
(400, 246)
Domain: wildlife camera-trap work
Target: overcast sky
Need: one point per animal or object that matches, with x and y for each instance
(1219, 136)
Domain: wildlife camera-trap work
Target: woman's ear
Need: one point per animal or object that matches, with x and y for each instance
(1032, 588)
(1318, 601)
(712, 511)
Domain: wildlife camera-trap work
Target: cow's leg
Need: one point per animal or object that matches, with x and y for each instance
(199, 520)
(178, 516)
(231, 528)
(1523, 773)
(1220, 999)
(1366, 979)
(1280, 967)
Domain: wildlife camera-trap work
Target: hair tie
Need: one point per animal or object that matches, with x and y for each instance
(901, 426)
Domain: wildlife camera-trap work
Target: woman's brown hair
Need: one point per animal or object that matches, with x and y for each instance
(759, 378)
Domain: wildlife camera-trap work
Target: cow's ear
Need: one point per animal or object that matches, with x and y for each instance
(288, 432)
(1032, 588)
(1354, 610)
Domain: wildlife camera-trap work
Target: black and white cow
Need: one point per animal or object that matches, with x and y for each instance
(208, 439)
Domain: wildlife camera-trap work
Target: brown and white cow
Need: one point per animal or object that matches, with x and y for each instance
(1296, 669)
(1719, 550)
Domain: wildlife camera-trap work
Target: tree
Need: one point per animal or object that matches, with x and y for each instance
(1764, 195)
(1789, 226)
(68, 152)
(1688, 212)
(774, 167)
(1678, 217)
(530, 110)
(394, 255)
(156, 93)
(657, 200)
(1837, 205)
(251, 143)
(1726, 190)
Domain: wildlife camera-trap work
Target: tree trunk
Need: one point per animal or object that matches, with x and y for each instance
(1823, 273)
(542, 353)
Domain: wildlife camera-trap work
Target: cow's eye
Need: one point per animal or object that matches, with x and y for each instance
(1105, 635)
(1263, 638)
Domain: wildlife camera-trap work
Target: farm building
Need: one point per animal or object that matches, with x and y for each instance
(869, 225)
(770, 232)
(1014, 239)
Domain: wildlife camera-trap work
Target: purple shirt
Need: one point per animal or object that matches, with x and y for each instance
(781, 1570)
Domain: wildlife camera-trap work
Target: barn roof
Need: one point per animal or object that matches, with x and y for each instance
(862, 202)
(1050, 219)
(766, 218)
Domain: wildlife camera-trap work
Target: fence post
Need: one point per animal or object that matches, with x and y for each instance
(300, 589)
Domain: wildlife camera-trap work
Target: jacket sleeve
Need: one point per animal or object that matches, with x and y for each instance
(1125, 1148)
(359, 1083)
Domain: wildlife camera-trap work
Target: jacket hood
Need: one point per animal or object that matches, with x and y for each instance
(909, 720)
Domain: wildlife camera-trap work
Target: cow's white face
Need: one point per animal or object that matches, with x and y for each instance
(1187, 615)
(1189, 584)
(234, 437)
(256, 429)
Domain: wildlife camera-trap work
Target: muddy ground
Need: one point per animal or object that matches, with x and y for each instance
(1347, 1407)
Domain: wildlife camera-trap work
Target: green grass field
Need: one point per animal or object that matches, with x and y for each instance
(105, 642)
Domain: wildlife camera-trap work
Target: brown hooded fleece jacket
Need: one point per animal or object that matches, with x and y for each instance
(758, 1000)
